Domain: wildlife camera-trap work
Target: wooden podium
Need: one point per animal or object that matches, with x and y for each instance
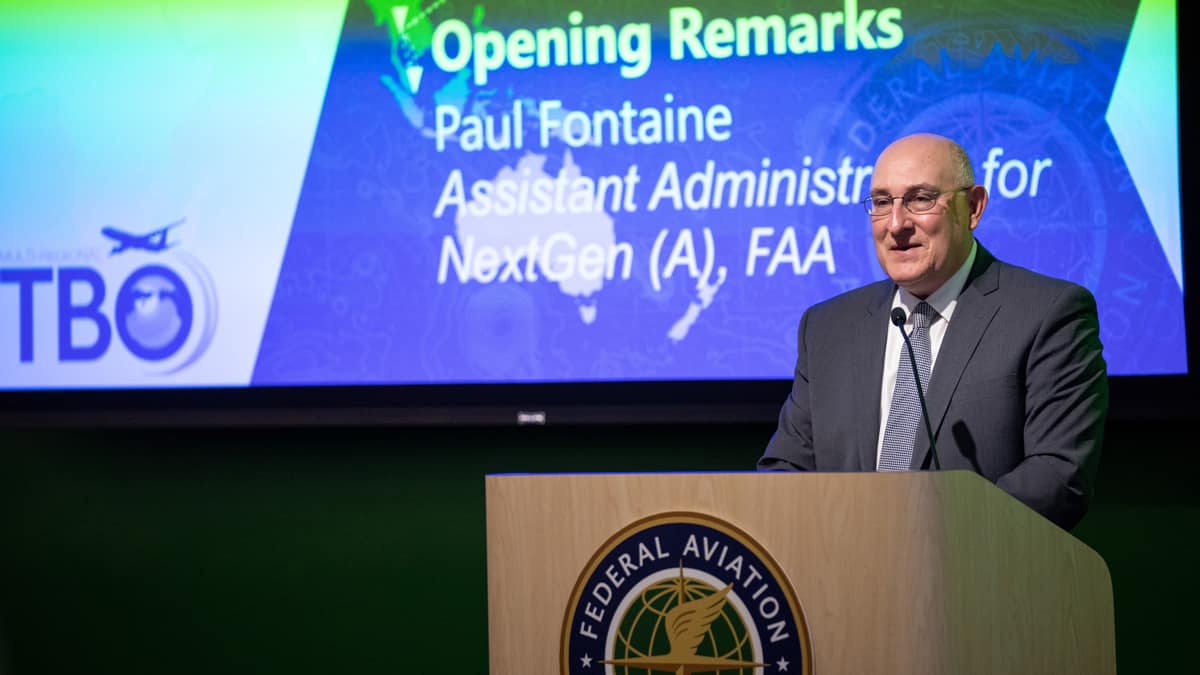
(922, 572)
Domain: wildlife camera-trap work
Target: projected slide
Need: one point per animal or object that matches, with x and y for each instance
(317, 192)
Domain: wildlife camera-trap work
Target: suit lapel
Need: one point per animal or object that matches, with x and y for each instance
(870, 341)
(977, 306)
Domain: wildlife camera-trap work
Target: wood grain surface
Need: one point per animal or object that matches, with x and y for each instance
(895, 572)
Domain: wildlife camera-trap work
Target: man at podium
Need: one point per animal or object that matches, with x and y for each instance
(1008, 361)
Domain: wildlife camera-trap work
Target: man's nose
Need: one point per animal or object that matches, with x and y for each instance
(898, 219)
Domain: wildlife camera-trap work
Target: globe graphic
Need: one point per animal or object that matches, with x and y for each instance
(154, 320)
(642, 631)
(153, 312)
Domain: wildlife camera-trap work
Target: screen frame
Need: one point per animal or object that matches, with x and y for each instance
(1143, 397)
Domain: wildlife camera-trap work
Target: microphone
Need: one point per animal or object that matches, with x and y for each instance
(898, 318)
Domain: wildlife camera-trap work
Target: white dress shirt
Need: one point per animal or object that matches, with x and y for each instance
(943, 300)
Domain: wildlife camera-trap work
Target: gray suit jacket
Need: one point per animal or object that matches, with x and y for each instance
(1019, 393)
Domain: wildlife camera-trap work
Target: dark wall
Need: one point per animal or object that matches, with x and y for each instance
(362, 551)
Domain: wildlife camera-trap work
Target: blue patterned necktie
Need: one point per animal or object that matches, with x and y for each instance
(905, 416)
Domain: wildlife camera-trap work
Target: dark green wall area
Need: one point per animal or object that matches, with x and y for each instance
(362, 551)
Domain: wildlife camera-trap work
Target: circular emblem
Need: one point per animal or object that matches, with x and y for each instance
(154, 312)
(683, 593)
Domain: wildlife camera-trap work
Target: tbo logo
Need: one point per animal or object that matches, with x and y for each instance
(683, 593)
(146, 306)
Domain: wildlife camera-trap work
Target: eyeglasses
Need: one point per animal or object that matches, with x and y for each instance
(918, 201)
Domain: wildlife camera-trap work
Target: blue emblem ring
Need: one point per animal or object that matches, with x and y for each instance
(683, 591)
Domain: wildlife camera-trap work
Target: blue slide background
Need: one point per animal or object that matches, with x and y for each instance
(358, 299)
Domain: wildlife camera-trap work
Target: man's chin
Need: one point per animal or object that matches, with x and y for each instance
(904, 273)
(906, 277)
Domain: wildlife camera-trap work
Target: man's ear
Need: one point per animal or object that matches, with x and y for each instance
(977, 199)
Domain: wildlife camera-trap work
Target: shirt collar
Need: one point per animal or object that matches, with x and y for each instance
(945, 298)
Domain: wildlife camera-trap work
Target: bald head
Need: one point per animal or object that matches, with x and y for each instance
(935, 149)
(923, 246)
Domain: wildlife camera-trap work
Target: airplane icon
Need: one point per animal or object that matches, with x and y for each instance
(152, 241)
